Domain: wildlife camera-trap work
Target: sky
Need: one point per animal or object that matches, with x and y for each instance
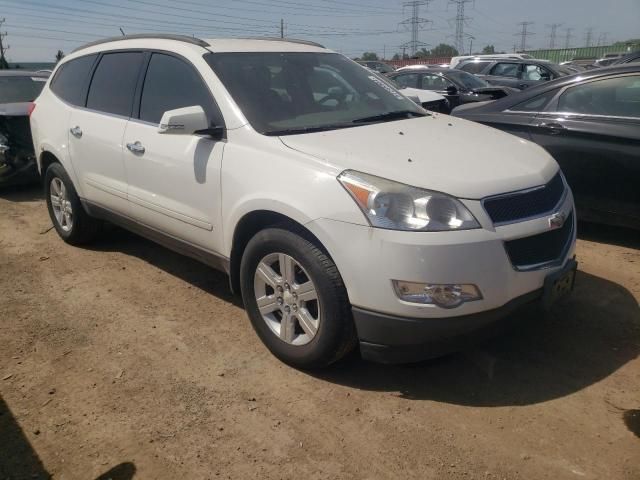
(37, 29)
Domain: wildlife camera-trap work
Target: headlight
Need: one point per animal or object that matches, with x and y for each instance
(397, 206)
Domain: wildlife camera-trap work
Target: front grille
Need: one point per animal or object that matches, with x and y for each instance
(516, 206)
(541, 249)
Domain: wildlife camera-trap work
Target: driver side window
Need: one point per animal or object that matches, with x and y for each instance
(435, 82)
(409, 80)
(535, 73)
(505, 70)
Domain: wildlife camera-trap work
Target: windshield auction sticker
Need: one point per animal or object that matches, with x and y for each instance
(387, 87)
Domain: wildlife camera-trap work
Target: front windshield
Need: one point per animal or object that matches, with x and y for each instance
(20, 89)
(281, 92)
(469, 81)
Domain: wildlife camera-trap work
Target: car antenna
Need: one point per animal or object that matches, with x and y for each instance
(122, 31)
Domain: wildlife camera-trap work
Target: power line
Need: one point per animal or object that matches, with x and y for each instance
(588, 37)
(602, 38)
(460, 21)
(552, 35)
(524, 33)
(3, 49)
(415, 23)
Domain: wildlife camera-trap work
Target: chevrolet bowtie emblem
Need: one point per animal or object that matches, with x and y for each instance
(557, 220)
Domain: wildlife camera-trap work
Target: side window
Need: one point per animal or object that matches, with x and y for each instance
(505, 70)
(535, 104)
(473, 67)
(536, 72)
(619, 97)
(407, 80)
(71, 80)
(114, 83)
(171, 83)
(434, 82)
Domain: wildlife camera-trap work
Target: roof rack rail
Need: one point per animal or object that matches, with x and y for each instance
(157, 36)
(291, 40)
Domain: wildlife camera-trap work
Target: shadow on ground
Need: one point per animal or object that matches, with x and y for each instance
(19, 460)
(543, 356)
(623, 237)
(22, 193)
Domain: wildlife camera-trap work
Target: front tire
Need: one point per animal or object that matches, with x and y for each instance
(69, 218)
(295, 299)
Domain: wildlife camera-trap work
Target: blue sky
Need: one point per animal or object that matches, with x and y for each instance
(38, 28)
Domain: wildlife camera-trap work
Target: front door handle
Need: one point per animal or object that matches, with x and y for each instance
(554, 128)
(76, 131)
(136, 148)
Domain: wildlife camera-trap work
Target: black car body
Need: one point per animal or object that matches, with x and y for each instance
(629, 58)
(590, 123)
(514, 73)
(456, 86)
(17, 159)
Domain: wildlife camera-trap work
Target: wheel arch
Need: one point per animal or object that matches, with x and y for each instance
(255, 221)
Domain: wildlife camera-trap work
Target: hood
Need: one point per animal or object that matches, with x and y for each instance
(436, 152)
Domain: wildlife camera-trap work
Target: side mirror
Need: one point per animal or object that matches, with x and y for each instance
(452, 90)
(184, 121)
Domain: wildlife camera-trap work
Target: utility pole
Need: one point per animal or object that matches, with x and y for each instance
(460, 21)
(588, 37)
(471, 39)
(415, 23)
(282, 28)
(567, 38)
(552, 35)
(4, 65)
(524, 33)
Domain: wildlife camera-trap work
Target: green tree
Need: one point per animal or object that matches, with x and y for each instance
(444, 50)
(423, 52)
(59, 56)
(489, 50)
(396, 56)
(369, 56)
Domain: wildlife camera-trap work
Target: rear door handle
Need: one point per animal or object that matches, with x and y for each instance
(76, 131)
(553, 127)
(136, 148)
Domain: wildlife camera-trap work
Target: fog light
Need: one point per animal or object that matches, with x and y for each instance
(442, 295)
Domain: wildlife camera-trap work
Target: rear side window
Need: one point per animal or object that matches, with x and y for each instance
(114, 83)
(473, 67)
(171, 83)
(71, 80)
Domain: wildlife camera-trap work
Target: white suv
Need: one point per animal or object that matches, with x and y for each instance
(342, 212)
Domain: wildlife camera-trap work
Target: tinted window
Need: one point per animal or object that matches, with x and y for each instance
(407, 80)
(473, 67)
(469, 81)
(171, 83)
(618, 97)
(434, 82)
(114, 83)
(505, 69)
(20, 89)
(71, 79)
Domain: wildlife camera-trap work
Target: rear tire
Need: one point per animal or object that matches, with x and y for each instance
(71, 221)
(304, 317)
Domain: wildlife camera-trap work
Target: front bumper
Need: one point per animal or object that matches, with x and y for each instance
(370, 258)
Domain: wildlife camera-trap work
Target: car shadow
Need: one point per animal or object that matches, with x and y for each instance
(581, 341)
(620, 236)
(191, 271)
(22, 193)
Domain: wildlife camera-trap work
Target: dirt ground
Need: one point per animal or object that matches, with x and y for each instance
(124, 360)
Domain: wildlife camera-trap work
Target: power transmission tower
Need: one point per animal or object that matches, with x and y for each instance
(567, 38)
(415, 23)
(4, 65)
(552, 35)
(602, 38)
(460, 21)
(588, 37)
(524, 33)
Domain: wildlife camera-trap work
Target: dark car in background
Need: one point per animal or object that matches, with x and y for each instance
(378, 66)
(457, 86)
(514, 73)
(590, 123)
(18, 89)
(633, 57)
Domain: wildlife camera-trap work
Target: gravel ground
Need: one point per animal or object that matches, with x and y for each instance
(124, 360)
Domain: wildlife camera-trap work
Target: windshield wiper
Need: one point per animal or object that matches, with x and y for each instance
(399, 114)
(300, 130)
